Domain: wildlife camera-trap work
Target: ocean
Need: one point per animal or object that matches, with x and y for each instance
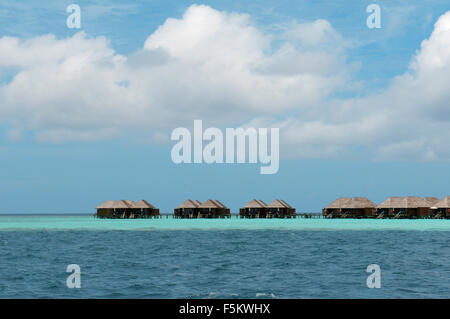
(223, 258)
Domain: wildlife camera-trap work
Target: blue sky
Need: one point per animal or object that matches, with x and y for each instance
(373, 124)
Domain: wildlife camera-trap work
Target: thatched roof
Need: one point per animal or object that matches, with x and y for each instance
(144, 204)
(108, 204)
(219, 204)
(286, 204)
(278, 203)
(189, 204)
(431, 201)
(351, 202)
(197, 202)
(210, 203)
(255, 203)
(125, 204)
(404, 202)
(443, 203)
(114, 204)
(129, 203)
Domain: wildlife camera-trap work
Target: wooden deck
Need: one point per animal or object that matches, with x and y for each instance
(234, 216)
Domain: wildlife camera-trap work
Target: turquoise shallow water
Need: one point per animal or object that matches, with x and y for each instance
(223, 258)
(90, 223)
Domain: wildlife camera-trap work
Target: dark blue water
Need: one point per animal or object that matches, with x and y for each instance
(225, 264)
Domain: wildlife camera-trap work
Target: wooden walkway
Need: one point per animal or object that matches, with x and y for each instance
(233, 216)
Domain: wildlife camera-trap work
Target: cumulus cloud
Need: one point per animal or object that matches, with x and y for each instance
(212, 65)
(409, 120)
(220, 67)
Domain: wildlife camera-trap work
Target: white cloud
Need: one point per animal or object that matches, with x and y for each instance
(316, 33)
(221, 68)
(408, 120)
(209, 64)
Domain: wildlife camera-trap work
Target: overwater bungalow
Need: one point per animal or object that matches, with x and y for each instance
(126, 209)
(442, 208)
(254, 209)
(404, 207)
(188, 209)
(350, 207)
(144, 209)
(213, 209)
(113, 209)
(280, 209)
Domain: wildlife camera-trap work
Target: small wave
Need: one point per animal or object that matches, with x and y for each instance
(263, 294)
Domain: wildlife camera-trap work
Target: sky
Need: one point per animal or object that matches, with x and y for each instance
(86, 114)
